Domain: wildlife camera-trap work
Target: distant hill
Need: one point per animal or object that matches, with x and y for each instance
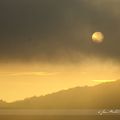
(105, 95)
(2, 104)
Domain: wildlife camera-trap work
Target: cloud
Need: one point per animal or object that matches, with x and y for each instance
(42, 74)
(104, 81)
(52, 31)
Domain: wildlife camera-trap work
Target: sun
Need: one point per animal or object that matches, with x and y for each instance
(97, 37)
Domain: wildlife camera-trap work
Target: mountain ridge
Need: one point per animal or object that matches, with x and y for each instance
(105, 95)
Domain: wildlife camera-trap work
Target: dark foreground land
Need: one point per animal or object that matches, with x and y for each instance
(22, 114)
(13, 117)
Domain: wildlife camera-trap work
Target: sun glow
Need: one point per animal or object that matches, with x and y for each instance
(98, 37)
(37, 79)
(103, 81)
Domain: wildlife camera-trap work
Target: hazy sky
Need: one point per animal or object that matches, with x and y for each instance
(45, 45)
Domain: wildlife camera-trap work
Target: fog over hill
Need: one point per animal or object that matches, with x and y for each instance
(105, 95)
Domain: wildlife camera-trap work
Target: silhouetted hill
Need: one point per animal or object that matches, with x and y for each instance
(2, 103)
(105, 95)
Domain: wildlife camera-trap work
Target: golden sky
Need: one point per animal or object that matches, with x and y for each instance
(18, 81)
(47, 46)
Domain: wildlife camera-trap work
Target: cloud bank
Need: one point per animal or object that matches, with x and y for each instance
(58, 30)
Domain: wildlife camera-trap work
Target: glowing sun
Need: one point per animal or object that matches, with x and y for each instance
(97, 37)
